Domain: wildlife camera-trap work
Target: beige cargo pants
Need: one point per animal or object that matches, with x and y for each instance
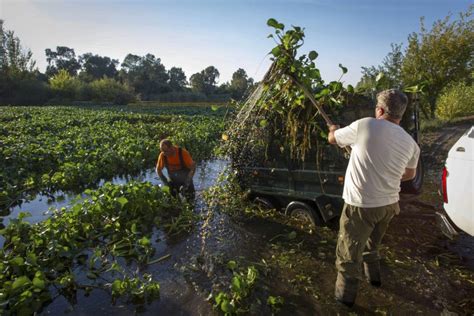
(360, 234)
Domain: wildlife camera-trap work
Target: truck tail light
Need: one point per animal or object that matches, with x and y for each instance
(444, 185)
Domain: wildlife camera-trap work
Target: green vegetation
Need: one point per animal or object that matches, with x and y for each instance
(435, 59)
(242, 283)
(106, 235)
(282, 113)
(456, 100)
(67, 148)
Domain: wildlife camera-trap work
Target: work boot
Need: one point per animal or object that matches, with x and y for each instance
(372, 272)
(346, 290)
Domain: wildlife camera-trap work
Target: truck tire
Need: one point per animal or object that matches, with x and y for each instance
(304, 212)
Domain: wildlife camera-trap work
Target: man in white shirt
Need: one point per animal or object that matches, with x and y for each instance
(382, 155)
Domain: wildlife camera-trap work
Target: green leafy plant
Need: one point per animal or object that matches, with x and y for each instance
(456, 100)
(283, 109)
(109, 229)
(275, 303)
(66, 148)
(241, 285)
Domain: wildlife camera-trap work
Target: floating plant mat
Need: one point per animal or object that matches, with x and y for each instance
(103, 242)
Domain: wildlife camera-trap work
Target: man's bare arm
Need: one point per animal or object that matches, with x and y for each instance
(331, 137)
(409, 174)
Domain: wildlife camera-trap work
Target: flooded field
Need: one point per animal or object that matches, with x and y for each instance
(423, 272)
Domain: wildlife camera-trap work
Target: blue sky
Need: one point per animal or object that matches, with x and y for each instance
(226, 34)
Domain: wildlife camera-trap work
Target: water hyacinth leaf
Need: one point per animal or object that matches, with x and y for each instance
(323, 93)
(17, 261)
(227, 307)
(236, 284)
(344, 69)
(274, 23)
(276, 51)
(144, 241)
(122, 200)
(166, 189)
(39, 283)
(117, 287)
(313, 55)
(20, 282)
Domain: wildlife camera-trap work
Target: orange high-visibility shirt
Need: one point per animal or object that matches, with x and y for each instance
(173, 161)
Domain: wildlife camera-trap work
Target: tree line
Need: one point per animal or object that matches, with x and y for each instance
(91, 77)
(439, 60)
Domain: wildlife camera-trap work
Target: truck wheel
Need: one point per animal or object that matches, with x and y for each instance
(303, 212)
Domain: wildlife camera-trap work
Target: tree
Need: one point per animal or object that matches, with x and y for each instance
(64, 85)
(440, 56)
(96, 67)
(210, 76)
(63, 58)
(19, 82)
(205, 81)
(177, 81)
(385, 76)
(145, 74)
(239, 83)
(13, 57)
(392, 66)
(197, 83)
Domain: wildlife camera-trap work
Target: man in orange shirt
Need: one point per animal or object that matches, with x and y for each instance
(180, 166)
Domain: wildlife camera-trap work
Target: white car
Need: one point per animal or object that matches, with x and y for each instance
(458, 186)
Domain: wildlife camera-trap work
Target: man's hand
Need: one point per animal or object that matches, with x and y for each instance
(163, 178)
(332, 129)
